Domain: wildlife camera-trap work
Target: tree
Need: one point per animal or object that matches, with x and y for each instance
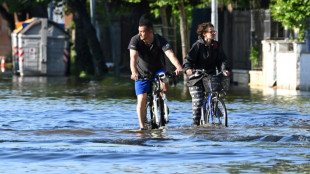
(87, 44)
(7, 16)
(292, 13)
(32, 7)
(177, 4)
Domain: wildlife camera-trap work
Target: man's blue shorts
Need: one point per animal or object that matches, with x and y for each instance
(144, 86)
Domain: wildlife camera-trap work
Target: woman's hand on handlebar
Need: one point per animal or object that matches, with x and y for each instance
(226, 73)
(189, 72)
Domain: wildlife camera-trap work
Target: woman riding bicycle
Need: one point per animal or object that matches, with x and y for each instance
(206, 53)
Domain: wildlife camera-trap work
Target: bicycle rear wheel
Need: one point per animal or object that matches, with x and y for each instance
(219, 111)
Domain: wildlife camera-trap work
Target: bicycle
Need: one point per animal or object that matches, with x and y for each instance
(156, 106)
(214, 109)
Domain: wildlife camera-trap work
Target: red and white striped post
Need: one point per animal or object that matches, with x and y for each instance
(21, 54)
(66, 55)
(3, 64)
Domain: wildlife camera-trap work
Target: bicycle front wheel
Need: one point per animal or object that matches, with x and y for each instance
(150, 119)
(160, 111)
(206, 114)
(219, 111)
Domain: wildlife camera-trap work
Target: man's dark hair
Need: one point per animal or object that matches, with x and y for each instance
(145, 22)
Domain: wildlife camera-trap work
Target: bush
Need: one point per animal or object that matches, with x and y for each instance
(254, 56)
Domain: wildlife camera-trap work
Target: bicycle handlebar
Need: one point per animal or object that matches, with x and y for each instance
(158, 76)
(202, 72)
(170, 74)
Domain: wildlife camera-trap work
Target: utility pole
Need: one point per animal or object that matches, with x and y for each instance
(92, 11)
(92, 4)
(50, 11)
(252, 43)
(214, 16)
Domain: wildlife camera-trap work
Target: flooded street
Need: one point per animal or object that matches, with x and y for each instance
(65, 125)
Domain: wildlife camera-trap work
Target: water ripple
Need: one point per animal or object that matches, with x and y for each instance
(88, 126)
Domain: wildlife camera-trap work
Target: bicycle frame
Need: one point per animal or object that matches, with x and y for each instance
(212, 106)
(158, 101)
(216, 108)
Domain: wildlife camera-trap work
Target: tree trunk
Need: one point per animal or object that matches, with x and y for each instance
(165, 33)
(37, 10)
(79, 8)
(174, 34)
(164, 22)
(184, 33)
(83, 61)
(8, 17)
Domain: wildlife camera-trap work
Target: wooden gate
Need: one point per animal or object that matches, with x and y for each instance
(241, 25)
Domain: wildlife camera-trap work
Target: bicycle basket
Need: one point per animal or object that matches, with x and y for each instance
(217, 83)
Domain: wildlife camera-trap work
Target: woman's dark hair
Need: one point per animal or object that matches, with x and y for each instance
(203, 28)
(144, 21)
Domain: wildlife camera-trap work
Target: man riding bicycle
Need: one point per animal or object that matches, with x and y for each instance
(147, 50)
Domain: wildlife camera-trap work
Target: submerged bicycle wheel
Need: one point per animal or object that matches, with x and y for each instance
(160, 111)
(219, 112)
(150, 119)
(216, 113)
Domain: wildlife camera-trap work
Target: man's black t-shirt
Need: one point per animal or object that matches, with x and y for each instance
(150, 56)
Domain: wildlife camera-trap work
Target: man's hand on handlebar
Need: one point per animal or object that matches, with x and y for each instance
(178, 71)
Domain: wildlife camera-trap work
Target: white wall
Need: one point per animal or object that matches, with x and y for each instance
(286, 71)
(269, 63)
(305, 71)
(286, 63)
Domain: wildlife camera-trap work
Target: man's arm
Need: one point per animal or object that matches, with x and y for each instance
(133, 64)
(174, 61)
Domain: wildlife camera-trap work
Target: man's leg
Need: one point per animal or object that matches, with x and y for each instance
(142, 88)
(141, 111)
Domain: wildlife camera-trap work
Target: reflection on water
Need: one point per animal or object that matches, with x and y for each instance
(62, 125)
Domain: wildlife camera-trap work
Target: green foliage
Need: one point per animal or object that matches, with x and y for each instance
(292, 13)
(18, 5)
(133, 1)
(14, 5)
(254, 56)
(189, 5)
(83, 74)
(161, 3)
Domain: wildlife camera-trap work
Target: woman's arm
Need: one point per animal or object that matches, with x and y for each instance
(190, 59)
